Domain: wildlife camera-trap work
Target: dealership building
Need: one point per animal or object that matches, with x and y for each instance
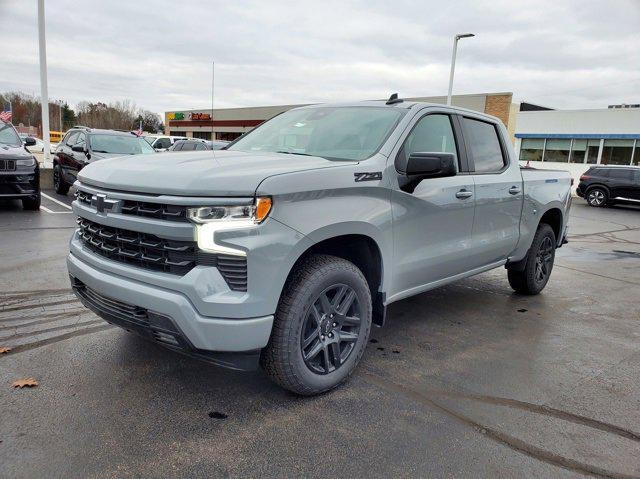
(230, 123)
(574, 140)
(543, 137)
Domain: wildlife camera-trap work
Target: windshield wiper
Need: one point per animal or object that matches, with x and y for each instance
(294, 153)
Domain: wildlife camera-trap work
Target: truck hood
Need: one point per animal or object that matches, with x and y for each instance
(227, 173)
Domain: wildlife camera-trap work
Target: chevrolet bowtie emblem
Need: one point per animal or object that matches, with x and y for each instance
(103, 204)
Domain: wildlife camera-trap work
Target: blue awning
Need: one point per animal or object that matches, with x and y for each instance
(587, 136)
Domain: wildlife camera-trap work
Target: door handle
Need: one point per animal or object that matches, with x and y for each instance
(464, 194)
(514, 190)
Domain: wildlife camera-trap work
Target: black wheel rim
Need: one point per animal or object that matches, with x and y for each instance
(330, 329)
(596, 197)
(56, 177)
(544, 260)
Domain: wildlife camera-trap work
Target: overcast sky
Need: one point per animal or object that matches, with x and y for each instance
(564, 54)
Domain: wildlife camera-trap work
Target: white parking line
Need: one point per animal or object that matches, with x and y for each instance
(57, 201)
(44, 208)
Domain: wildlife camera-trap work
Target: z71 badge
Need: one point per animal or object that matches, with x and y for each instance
(368, 176)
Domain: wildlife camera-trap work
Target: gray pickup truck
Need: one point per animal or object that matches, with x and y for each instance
(283, 249)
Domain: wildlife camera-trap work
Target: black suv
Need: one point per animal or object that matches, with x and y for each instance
(82, 145)
(604, 185)
(19, 170)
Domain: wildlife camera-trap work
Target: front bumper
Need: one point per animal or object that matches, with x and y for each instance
(197, 335)
(24, 182)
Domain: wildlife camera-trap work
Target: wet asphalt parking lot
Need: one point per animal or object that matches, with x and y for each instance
(469, 380)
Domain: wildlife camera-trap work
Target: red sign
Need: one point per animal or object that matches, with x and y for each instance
(200, 117)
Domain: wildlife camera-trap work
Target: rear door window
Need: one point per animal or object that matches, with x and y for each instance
(482, 140)
(621, 174)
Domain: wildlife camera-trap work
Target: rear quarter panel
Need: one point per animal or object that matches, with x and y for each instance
(543, 191)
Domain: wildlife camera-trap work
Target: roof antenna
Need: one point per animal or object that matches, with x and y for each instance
(393, 99)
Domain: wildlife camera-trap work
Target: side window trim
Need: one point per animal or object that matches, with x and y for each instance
(503, 150)
(461, 153)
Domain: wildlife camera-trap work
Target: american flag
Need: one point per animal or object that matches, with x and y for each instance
(5, 114)
(139, 130)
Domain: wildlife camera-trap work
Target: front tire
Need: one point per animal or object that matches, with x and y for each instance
(321, 326)
(61, 186)
(538, 263)
(597, 197)
(32, 204)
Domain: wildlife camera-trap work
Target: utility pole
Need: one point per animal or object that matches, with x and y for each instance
(44, 93)
(453, 61)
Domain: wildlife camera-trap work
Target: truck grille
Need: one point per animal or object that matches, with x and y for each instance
(145, 209)
(140, 249)
(7, 165)
(154, 253)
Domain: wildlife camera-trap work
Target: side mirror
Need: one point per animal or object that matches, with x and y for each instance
(78, 148)
(431, 165)
(29, 141)
(423, 165)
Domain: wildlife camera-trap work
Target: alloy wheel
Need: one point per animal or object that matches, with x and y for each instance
(56, 177)
(330, 329)
(544, 260)
(596, 198)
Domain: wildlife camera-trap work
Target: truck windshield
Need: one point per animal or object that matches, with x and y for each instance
(340, 133)
(8, 135)
(120, 144)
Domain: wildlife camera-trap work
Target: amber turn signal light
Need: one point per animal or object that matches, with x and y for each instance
(263, 206)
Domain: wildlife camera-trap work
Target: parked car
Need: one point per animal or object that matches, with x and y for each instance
(197, 144)
(288, 247)
(81, 146)
(38, 147)
(19, 170)
(603, 185)
(162, 143)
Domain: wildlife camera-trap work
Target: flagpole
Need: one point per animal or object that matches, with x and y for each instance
(44, 93)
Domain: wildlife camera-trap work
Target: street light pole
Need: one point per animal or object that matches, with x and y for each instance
(453, 61)
(44, 93)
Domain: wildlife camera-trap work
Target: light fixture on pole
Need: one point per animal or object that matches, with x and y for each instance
(453, 61)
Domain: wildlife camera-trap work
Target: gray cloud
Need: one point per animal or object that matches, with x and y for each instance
(567, 54)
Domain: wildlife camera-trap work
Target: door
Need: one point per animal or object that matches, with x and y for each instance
(498, 192)
(65, 155)
(431, 225)
(620, 182)
(78, 158)
(635, 185)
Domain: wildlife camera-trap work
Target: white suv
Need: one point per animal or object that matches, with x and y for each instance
(162, 143)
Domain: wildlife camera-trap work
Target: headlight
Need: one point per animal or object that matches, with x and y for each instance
(255, 213)
(211, 219)
(29, 162)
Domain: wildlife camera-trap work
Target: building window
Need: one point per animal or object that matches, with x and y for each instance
(578, 151)
(617, 152)
(203, 135)
(557, 151)
(593, 147)
(531, 149)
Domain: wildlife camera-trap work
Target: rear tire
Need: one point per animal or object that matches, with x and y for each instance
(321, 326)
(61, 186)
(538, 263)
(597, 197)
(31, 204)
